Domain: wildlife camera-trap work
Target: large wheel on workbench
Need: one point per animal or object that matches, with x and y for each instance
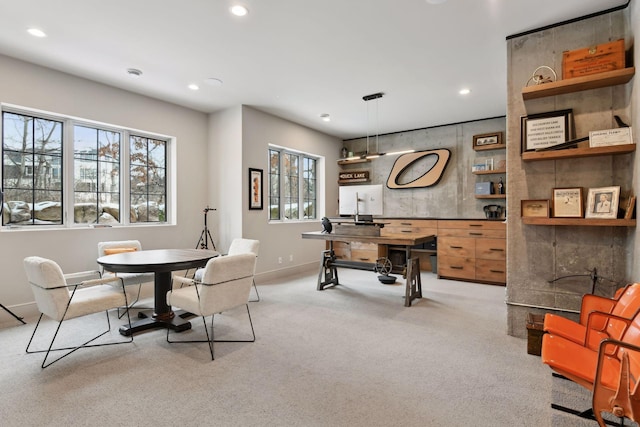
(383, 268)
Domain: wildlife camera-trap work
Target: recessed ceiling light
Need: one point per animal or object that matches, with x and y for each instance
(36, 32)
(212, 81)
(464, 91)
(134, 72)
(193, 86)
(325, 117)
(239, 10)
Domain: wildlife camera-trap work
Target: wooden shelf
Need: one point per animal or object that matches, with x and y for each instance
(491, 172)
(577, 84)
(590, 222)
(352, 162)
(491, 196)
(490, 147)
(570, 153)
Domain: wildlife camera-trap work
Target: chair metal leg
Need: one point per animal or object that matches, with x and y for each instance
(72, 349)
(211, 339)
(257, 294)
(24, 323)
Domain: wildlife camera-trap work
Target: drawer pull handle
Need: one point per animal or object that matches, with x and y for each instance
(406, 231)
(455, 247)
(405, 223)
(475, 225)
(497, 271)
(455, 267)
(497, 249)
(475, 234)
(363, 259)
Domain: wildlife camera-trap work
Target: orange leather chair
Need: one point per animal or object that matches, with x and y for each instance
(610, 372)
(595, 325)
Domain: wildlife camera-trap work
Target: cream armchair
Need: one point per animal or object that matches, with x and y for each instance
(63, 297)
(225, 285)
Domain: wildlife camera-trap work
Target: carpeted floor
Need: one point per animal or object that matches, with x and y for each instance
(352, 355)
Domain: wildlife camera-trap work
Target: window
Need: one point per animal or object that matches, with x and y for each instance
(38, 187)
(292, 185)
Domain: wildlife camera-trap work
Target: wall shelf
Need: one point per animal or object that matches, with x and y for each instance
(491, 196)
(491, 172)
(490, 147)
(577, 84)
(591, 222)
(352, 162)
(571, 153)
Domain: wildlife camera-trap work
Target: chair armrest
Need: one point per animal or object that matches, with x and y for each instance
(184, 280)
(610, 316)
(591, 303)
(81, 274)
(101, 281)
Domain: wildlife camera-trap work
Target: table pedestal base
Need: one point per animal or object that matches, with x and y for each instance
(176, 322)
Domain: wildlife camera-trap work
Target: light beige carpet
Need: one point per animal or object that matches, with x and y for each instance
(352, 355)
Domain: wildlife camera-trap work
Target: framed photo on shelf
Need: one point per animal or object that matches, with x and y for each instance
(534, 208)
(567, 202)
(487, 140)
(544, 130)
(255, 188)
(603, 202)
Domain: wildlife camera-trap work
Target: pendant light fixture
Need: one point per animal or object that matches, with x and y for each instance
(367, 98)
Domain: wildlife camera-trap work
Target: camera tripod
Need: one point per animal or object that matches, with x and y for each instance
(205, 236)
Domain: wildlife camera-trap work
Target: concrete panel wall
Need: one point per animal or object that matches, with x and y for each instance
(454, 195)
(539, 254)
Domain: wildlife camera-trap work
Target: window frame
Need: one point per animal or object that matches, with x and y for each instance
(301, 195)
(67, 170)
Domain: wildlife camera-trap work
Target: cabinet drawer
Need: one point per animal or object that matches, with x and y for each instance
(491, 249)
(472, 232)
(457, 246)
(364, 252)
(342, 250)
(491, 270)
(386, 230)
(457, 267)
(411, 223)
(472, 225)
(364, 255)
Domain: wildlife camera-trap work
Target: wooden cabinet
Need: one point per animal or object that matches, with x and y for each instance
(472, 250)
(358, 251)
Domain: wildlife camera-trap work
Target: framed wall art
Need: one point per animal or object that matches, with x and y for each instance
(603, 202)
(487, 140)
(535, 208)
(567, 202)
(255, 188)
(544, 130)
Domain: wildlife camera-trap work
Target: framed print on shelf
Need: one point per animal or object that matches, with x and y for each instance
(255, 188)
(603, 202)
(535, 208)
(544, 130)
(567, 202)
(486, 140)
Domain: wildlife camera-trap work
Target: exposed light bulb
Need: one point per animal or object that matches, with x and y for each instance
(464, 91)
(193, 86)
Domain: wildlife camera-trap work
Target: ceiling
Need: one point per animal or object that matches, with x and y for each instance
(292, 58)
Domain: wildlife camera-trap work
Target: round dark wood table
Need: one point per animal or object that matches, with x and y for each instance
(161, 262)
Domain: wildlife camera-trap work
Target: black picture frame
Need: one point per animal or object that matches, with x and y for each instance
(544, 130)
(255, 189)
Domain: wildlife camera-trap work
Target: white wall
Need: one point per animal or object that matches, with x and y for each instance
(36, 87)
(283, 239)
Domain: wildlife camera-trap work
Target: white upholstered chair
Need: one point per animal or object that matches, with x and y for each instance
(120, 246)
(62, 297)
(240, 246)
(225, 285)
